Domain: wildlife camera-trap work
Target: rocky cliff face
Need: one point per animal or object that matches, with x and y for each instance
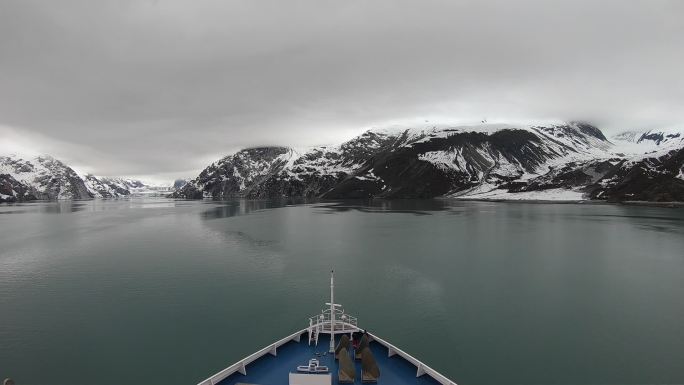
(42, 177)
(11, 190)
(572, 161)
(238, 174)
(101, 187)
(656, 177)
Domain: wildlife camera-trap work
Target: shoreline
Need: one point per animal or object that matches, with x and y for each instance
(583, 202)
(674, 204)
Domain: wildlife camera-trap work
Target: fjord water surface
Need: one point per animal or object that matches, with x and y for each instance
(169, 292)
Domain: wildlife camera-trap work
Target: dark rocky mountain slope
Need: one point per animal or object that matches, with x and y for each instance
(655, 178)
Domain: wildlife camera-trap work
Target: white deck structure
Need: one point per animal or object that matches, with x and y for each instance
(310, 379)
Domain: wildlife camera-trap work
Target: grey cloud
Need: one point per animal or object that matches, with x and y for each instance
(161, 87)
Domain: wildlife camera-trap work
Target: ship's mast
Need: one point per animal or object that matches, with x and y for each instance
(327, 323)
(332, 311)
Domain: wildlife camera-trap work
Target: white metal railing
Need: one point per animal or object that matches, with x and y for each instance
(421, 367)
(340, 327)
(241, 366)
(343, 321)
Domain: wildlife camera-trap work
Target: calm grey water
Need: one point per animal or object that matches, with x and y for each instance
(169, 292)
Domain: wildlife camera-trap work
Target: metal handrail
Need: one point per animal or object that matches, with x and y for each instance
(241, 365)
(421, 367)
(343, 327)
(325, 317)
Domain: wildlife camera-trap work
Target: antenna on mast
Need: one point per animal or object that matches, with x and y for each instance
(332, 311)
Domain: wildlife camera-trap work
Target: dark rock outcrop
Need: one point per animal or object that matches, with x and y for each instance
(654, 179)
(11, 190)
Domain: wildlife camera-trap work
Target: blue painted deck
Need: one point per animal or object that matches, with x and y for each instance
(274, 370)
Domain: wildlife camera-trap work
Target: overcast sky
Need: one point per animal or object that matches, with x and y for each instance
(162, 88)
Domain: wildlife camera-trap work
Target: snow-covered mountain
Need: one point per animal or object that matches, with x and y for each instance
(568, 161)
(238, 174)
(487, 161)
(100, 187)
(179, 183)
(46, 178)
(651, 170)
(42, 177)
(641, 142)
